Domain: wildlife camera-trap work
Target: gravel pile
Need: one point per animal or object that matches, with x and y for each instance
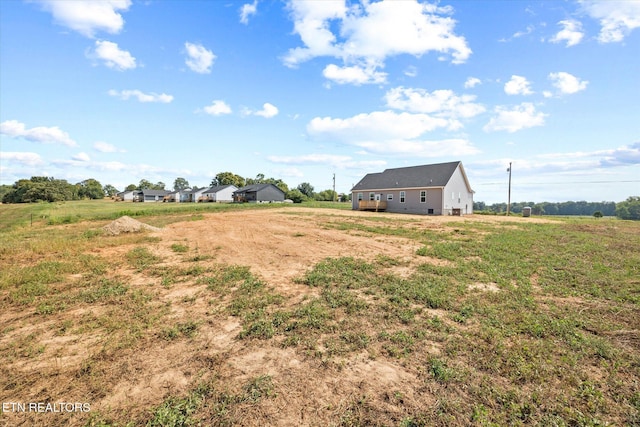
(126, 224)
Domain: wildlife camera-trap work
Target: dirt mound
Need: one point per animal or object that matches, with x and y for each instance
(126, 224)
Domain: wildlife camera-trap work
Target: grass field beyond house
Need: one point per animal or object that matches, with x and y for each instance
(485, 322)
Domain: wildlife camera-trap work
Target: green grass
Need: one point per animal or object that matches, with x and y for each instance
(38, 214)
(554, 342)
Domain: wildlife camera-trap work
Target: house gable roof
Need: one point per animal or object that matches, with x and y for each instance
(154, 192)
(254, 188)
(424, 176)
(219, 188)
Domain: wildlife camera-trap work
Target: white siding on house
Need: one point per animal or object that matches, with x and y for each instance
(457, 196)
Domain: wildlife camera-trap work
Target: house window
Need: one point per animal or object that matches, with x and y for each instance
(402, 196)
(453, 195)
(389, 197)
(430, 211)
(359, 196)
(458, 197)
(423, 196)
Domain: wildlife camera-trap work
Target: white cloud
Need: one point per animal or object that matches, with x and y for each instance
(199, 59)
(268, 111)
(105, 147)
(376, 126)
(371, 32)
(89, 16)
(472, 82)
(583, 161)
(356, 75)
(23, 158)
(217, 108)
(390, 133)
(81, 157)
(518, 85)
(442, 103)
(292, 172)
(411, 71)
(45, 135)
(530, 29)
(567, 83)
(617, 18)
(421, 148)
(622, 156)
(141, 96)
(113, 56)
(517, 118)
(335, 161)
(571, 33)
(248, 10)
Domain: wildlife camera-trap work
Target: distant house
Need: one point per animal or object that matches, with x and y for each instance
(194, 195)
(126, 195)
(178, 196)
(150, 195)
(219, 194)
(257, 193)
(438, 189)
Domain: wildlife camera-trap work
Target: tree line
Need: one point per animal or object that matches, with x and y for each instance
(49, 189)
(629, 209)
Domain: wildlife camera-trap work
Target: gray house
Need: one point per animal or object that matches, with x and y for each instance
(438, 189)
(219, 194)
(257, 193)
(150, 195)
(126, 195)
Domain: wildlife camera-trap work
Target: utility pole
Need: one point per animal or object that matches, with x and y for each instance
(509, 195)
(334, 187)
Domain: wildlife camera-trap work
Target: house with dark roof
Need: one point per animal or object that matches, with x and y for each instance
(437, 189)
(219, 194)
(259, 193)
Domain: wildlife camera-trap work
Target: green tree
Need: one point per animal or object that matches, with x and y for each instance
(306, 189)
(296, 196)
(131, 187)
(148, 185)
(629, 209)
(228, 178)
(144, 185)
(259, 179)
(180, 184)
(90, 189)
(326, 196)
(110, 190)
(5, 189)
(41, 189)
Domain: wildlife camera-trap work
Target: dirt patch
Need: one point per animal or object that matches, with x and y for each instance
(280, 246)
(126, 224)
(486, 287)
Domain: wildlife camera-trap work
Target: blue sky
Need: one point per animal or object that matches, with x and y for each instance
(121, 90)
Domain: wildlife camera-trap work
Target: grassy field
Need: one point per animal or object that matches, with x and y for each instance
(18, 215)
(486, 323)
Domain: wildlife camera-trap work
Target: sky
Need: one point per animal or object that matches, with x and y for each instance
(121, 90)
